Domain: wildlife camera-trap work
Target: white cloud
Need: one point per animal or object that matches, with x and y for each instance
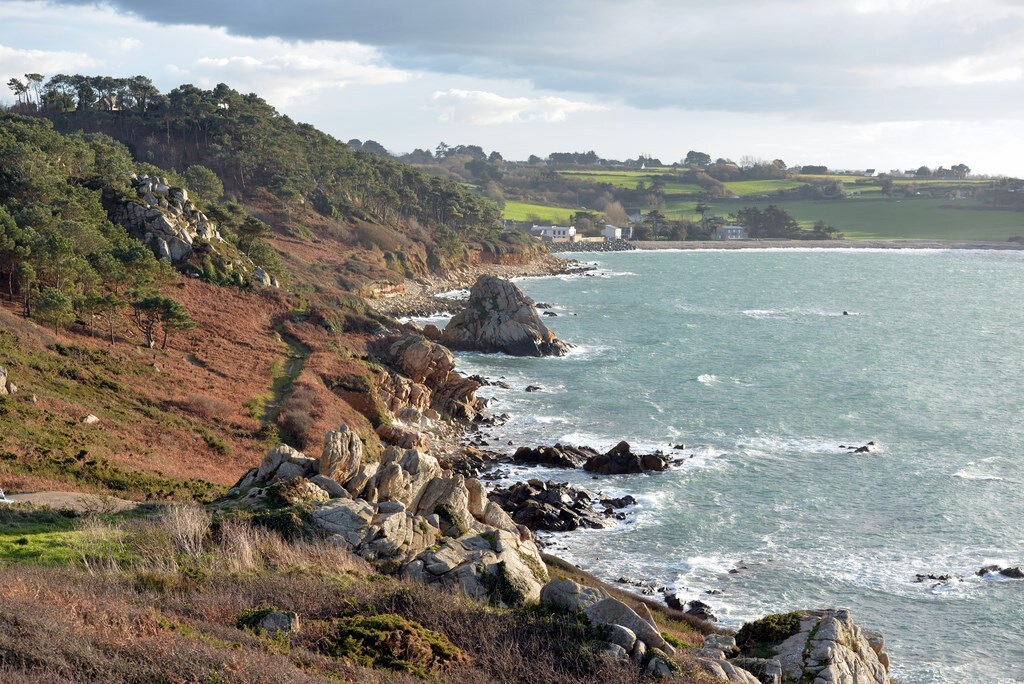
(486, 109)
(286, 72)
(16, 62)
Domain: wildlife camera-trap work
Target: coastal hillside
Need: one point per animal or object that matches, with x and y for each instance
(202, 315)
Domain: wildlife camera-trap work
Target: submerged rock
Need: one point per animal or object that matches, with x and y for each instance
(500, 318)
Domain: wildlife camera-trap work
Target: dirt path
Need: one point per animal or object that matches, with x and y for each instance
(77, 501)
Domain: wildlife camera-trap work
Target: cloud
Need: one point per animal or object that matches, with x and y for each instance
(291, 72)
(841, 59)
(15, 63)
(486, 109)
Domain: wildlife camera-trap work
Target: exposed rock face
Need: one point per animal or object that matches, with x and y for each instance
(620, 459)
(568, 595)
(7, 387)
(165, 219)
(427, 366)
(831, 649)
(436, 525)
(342, 455)
(500, 318)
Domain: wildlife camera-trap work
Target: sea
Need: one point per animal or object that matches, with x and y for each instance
(759, 370)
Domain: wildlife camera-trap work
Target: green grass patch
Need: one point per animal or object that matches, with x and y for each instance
(524, 211)
(761, 635)
(762, 187)
(38, 536)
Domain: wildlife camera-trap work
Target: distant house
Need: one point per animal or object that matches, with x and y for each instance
(729, 233)
(611, 233)
(555, 233)
(869, 172)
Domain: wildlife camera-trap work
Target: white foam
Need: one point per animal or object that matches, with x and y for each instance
(707, 379)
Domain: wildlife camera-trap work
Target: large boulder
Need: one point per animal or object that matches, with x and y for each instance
(500, 318)
(568, 595)
(496, 566)
(611, 611)
(342, 455)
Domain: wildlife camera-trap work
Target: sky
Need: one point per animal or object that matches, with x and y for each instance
(852, 84)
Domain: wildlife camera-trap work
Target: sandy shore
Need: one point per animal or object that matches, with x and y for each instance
(418, 297)
(831, 244)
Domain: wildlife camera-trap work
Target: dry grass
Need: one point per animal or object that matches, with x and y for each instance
(159, 600)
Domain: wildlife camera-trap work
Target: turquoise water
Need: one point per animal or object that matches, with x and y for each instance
(746, 358)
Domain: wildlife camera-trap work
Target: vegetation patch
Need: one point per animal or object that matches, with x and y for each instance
(755, 637)
(390, 642)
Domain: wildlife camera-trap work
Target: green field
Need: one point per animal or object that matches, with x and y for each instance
(629, 179)
(879, 218)
(524, 211)
(761, 187)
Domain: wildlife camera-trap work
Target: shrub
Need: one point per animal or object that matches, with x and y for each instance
(188, 527)
(768, 631)
(392, 642)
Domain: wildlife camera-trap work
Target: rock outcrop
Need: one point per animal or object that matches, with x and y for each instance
(550, 506)
(430, 378)
(406, 511)
(557, 456)
(817, 646)
(7, 387)
(500, 318)
(621, 460)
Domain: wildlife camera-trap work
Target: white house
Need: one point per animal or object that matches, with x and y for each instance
(729, 233)
(611, 233)
(555, 233)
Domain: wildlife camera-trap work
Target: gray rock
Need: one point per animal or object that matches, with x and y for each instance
(500, 318)
(568, 595)
(279, 621)
(3, 382)
(611, 611)
(659, 668)
(830, 647)
(330, 486)
(349, 519)
(614, 651)
(90, 420)
(260, 277)
(342, 455)
(767, 671)
(623, 636)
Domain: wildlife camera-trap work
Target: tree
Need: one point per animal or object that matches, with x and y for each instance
(887, 186)
(54, 307)
(699, 159)
(923, 172)
(703, 208)
(251, 230)
(495, 156)
(34, 86)
(204, 183)
(153, 314)
(961, 171)
(18, 88)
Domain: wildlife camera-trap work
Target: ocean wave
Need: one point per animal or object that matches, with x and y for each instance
(966, 474)
(453, 294)
(707, 379)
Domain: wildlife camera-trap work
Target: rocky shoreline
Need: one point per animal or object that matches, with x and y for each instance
(418, 297)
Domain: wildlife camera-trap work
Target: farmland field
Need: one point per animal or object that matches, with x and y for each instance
(629, 179)
(880, 218)
(524, 211)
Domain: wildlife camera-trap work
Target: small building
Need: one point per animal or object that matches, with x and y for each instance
(555, 233)
(729, 233)
(611, 233)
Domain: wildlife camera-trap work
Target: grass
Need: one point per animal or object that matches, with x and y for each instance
(630, 179)
(164, 605)
(762, 187)
(876, 218)
(524, 211)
